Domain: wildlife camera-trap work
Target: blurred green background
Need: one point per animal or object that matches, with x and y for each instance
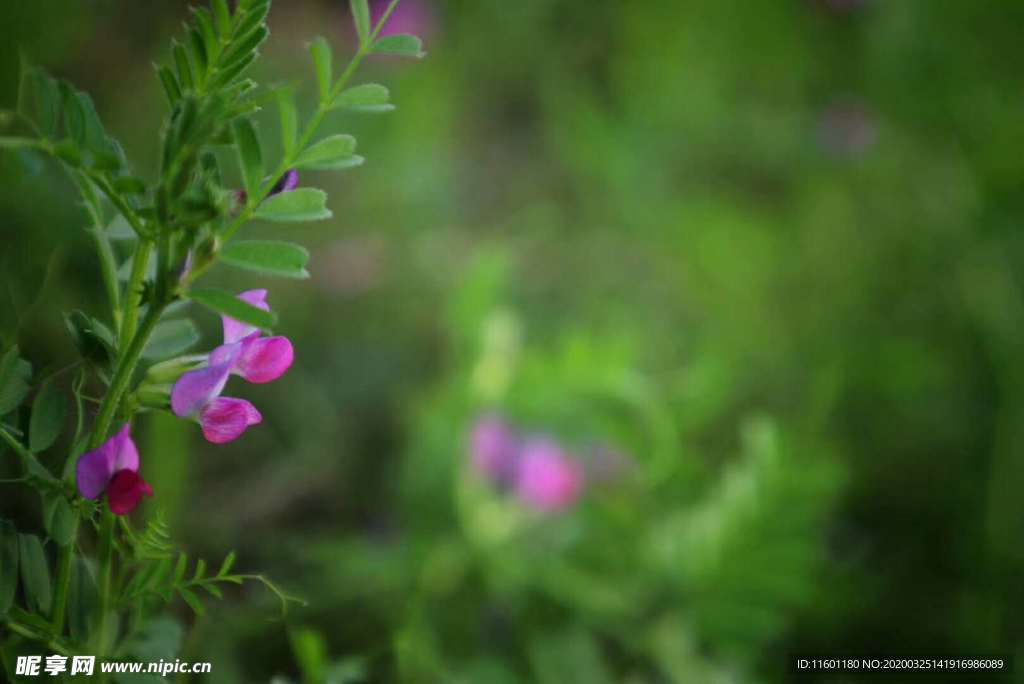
(771, 252)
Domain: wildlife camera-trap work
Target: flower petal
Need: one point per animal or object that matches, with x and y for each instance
(196, 388)
(548, 479)
(263, 359)
(492, 448)
(126, 489)
(236, 330)
(224, 419)
(286, 183)
(94, 470)
(126, 455)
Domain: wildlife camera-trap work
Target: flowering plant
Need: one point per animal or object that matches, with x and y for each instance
(110, 579)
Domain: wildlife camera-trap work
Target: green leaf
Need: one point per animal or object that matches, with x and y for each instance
(213, 589)
(320, 49)
(170, 83)
(245, 48)
(47, 417)
(192, 600)
(130, 185)
(289, 120)
(225, 567)
(229, 305)
(369, 97)
(82, 599)
(401, 44)
(180, 567)
(59, 519)
(301, 204)
(14, 378)
(94, 340)
(18, 142)
(252, 16)
(39, 100)
(200, 570)
(361, 18)
(222, 17)
(250, 159)
(334, 152)
(171, 338)
(35, 573)
(211, 43)
(272, 257)
(8, 565)
(182, 65)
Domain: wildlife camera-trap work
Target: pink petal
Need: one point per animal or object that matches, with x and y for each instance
(236, 330)
(196, 388)
(548, 479)
(125, 491)
(95, 468)
(263, 359)
(126, 455)
(224, 419)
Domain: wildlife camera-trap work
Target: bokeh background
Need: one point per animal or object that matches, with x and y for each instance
(756, 266)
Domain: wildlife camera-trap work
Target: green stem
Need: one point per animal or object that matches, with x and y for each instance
(31, 634)
(106, 553)
(60, 598)
(133, 293)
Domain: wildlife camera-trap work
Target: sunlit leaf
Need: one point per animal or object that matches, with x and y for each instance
(401, 44)
(369, 97)
(272, 257)
(320, 49)
(171, 338)
(334, 152)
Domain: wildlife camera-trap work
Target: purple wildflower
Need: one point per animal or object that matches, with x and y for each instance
(494, 449)
(411, 16)
(257, 359)
(113, 468)
(548, 478)
(286, 183)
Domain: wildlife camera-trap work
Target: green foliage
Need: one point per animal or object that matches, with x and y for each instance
(9, 555)
(171, 338)
(273, 257)
(369, 97)
(35, 573)
(15, 375)
(303, 204)
(48, 410)
(334, 152)
(402, 45)
(227, 304)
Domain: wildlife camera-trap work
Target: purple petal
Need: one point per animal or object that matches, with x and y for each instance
(126, 455)
(263, 359)
(492, 448)
(235, 331)
(286, 183)
(548, 479)
(95, 468)
(125, 491)
(225, 419)
(196, 388)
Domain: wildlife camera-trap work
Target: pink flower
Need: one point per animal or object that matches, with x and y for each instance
(548, 478)
(113, 468)
(257, 359)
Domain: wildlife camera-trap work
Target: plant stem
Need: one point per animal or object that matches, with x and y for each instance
(60, 598)
(106, 565)
(133, 294)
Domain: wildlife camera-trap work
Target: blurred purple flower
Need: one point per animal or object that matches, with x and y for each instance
(847, 128)
(547, 478)
(113, 467)
(411, 16)
(286, 183)
(493, 449)
(196, 394)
